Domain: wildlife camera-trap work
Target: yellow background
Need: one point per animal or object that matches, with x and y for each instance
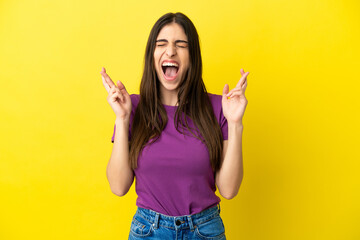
(301, 125)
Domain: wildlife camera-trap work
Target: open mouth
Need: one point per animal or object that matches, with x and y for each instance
(170, 70)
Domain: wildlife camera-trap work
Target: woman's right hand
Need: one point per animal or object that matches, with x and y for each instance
(118, 98)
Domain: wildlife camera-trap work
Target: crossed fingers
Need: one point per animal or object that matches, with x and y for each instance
(107, 82)
(110, 86)
(240, 86)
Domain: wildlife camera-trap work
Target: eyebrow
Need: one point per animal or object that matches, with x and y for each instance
(177, 41)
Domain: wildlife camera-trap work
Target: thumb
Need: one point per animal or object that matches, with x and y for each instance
(225, 91)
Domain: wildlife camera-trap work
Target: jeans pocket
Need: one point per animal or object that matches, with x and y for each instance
(140, 227)
(212, 229)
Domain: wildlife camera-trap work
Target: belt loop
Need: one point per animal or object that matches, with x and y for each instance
(156, 223)
(219, 208)
(190, 223)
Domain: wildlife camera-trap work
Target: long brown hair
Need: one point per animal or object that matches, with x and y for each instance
(150, 116)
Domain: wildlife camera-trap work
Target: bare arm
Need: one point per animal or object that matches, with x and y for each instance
(230, 175)
(118, 171)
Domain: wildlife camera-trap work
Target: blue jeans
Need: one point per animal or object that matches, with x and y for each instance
(148, 224)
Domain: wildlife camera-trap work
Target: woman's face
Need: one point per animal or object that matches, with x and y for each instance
(171, 57)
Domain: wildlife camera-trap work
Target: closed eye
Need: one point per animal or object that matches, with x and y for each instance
(161, 45)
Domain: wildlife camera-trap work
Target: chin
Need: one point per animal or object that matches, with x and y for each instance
(169, 87)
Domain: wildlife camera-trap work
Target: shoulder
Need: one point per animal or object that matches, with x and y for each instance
(216, 101)
(214, 97)
(135, 98)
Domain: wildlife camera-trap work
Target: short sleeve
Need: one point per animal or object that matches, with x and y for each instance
(113, 137)
(223, 125)
(135, 101)
(216, 101)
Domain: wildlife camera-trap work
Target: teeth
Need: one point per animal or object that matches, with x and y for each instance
(170, 64)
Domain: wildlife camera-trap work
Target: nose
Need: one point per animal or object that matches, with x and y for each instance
(170, 51)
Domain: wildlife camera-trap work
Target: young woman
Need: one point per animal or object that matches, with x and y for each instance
(178, 140)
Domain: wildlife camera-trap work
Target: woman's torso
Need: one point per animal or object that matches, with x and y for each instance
(174, 174)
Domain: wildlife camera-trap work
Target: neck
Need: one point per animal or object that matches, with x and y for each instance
(169, 98)
(170, 101)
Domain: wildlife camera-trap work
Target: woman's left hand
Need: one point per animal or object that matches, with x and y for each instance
(234, 102)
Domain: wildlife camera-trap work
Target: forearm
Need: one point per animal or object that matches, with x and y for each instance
(230, 175)
(118, 171)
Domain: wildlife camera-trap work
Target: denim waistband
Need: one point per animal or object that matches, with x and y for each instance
(176, 222)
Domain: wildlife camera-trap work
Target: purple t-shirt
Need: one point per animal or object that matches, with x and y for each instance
(174, 175)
